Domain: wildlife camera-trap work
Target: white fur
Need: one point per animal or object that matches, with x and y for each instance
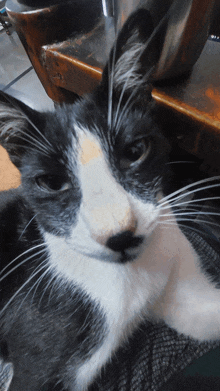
(12, 121)
(127, 67)
(164, 280)
(105, 205)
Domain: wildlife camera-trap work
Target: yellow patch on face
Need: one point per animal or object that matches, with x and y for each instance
(89, 150)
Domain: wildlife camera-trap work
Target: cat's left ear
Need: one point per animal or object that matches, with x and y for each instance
(18, 127)
(133, 57)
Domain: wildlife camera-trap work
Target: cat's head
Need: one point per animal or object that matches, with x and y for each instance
(94, 171)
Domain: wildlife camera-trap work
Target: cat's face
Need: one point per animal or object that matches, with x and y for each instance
(93, 171)
(86, 183)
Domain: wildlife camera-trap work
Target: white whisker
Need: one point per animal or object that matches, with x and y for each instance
(52, 287)
(37, 283)
(21, 255)
(140, 49)
(191, 185)
(21, 287)
(33, 141)
(45, 288)
(29, 120)
(207, 222)
(27, 226)
(195, 213)
(20, 264)
(29, 291)
(38, 131)
(110, 86)
(117, 122)
(193, 202)
(181, 162)
(172, 223)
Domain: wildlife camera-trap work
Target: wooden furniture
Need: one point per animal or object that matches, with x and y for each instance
(69, 62)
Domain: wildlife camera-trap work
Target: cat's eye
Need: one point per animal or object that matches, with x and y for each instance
(53, 183)
(135, 153)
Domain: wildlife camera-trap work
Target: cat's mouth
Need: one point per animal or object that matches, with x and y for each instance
(125, 257)
(118, 257)
(127, 251)
(131, 254)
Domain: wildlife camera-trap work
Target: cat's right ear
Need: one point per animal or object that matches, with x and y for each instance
(133, 57)
(18, 127)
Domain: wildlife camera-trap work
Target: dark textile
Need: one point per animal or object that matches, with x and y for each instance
(150, 359)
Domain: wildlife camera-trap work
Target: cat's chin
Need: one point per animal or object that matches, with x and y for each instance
(128, 256)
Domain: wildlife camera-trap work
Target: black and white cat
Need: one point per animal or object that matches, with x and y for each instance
(89, 244)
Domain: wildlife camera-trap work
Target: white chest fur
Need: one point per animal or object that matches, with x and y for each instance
(124, 292)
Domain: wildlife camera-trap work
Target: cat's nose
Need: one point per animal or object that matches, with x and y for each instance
(123, 241)
(110, 222)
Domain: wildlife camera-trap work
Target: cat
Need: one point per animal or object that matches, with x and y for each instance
(90, 244)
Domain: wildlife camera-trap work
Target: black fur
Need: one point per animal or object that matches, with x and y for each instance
(42, 332)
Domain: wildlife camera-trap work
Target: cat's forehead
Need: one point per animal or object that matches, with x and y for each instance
(88, 146)
(83, 133)
(89, 149)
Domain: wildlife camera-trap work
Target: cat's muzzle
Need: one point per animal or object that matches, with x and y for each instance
(127, 244)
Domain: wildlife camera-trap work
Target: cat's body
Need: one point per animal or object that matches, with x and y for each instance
(85, 251)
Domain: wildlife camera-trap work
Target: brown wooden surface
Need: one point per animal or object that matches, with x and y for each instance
(74, 66)
(197, 97)
(38, 27)
(34, 30)
(77, 64)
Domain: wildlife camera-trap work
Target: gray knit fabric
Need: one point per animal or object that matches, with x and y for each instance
(149, 360)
